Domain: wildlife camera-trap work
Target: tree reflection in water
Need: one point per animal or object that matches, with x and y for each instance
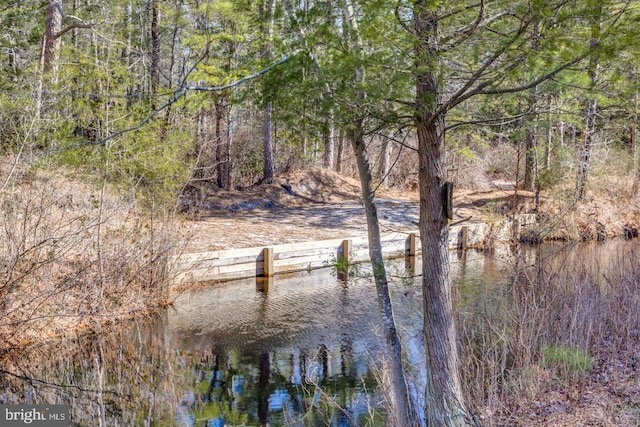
(132, 377)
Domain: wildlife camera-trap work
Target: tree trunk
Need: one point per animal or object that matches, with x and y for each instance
(585, 153)
(219, 113)
(329, 144)
(445, 405)
(633, 144)
(385, 160)
(50, 52)
(445, 402)
(400, 399)
(154, 66)
(530, 159)
(549, 144)
(230, 148)
(269, 166)
(403, 413)
(174, 43)
(592, 108)
(52, 40)
(339, 151)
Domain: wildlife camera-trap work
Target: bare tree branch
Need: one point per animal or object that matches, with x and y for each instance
(60, 386)
(72, 27)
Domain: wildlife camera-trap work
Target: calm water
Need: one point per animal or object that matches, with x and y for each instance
(302, 350)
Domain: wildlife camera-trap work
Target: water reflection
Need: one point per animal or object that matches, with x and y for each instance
(298, 351)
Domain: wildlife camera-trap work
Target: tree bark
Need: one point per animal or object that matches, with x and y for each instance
(339, 151)
(52, 40)
(219, 113)
(549, 144)
(585, 152)
(230, 148)
(269, 166)
(445, 405)
(50, 52)
(633, 144)
(386, 150)
(592, 108)
(530, 156)
(329, 143)
(154, 66)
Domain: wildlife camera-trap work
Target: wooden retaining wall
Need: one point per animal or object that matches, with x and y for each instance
(268, 261)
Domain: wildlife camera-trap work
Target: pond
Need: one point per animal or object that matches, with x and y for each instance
(300, 350)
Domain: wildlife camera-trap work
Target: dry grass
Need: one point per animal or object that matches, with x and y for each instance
(73, 256)
(589, 319)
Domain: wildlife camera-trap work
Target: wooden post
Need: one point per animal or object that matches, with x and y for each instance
(267, 255)
(413, 244)
(410, 262)
(347, 250)
(343, 271)
(516, 231)
(464, 240)
(264, 284)
(410, 259)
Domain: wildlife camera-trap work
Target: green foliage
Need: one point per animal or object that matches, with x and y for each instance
(567, 359)
(103, 80)
(342, 265)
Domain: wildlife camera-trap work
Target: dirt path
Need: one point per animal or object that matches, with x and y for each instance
(225, 230)
(314, 205)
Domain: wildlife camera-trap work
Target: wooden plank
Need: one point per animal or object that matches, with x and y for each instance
(303, 246)
(395, 246)
(195, 257)
(238, 253)
(194, 276)
(248, 262)
(328, 252)
(237, 260)
(255, 267)
(516, 230)
(222, 254)
(304, 260)
(410, 262)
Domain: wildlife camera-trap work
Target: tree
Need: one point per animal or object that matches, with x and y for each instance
(269, 165)
(51, 43)
(459, 53)
(355, 132)
(154, 65)
(442, 83)
(446, 406)
(584, 166)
